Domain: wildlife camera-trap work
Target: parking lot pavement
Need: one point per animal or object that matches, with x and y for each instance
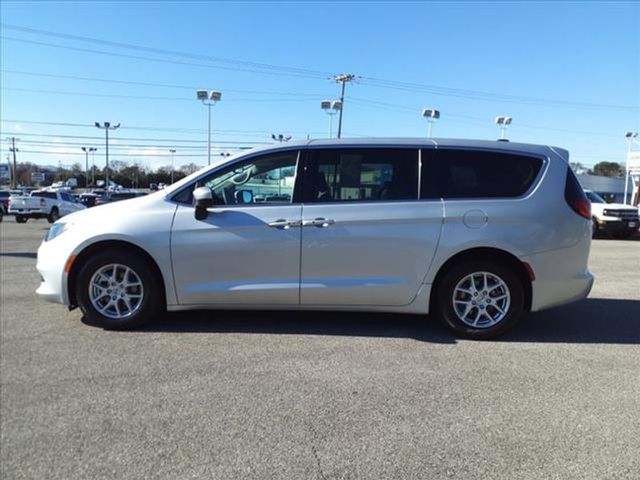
(319, 395)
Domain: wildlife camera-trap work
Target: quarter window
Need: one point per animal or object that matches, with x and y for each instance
(361, 174)
(483, 174)
(51, 195)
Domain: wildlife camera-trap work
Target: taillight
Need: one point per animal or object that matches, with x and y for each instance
(582, 208)
(575, 196)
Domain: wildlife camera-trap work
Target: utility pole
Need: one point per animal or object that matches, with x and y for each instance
(342, 80)
(13, 150)
(86, 164)
(173, 165)
(106, 126)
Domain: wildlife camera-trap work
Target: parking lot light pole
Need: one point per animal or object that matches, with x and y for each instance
(106, 126)
(331, 108)
(503, 123)
(93, 167)
(431, 114)
(86, 151)
(173, 165)
(209, 99)
(631, 138)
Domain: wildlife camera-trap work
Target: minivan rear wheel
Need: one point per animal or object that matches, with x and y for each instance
(118, 291)
(480, 299)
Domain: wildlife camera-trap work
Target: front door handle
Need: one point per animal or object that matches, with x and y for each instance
(282, 224)
(318, 222)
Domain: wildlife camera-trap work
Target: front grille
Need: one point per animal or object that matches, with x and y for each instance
(629, 215)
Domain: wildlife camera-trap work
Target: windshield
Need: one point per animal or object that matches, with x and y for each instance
(594, 197)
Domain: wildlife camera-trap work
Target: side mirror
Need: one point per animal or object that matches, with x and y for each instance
(202, 199)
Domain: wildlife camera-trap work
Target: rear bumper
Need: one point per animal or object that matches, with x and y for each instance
(562, 276)
(28, 212)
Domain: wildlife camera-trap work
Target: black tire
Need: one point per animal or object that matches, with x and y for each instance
(594, 228)
(445, 295)
(54, 215)
(151, 306)
(21, 219)
(1, 214)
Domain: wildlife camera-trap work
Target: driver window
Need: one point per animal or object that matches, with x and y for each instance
(261, 180)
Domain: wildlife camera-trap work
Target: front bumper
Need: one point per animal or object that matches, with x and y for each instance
(50, 265)
(617, 226)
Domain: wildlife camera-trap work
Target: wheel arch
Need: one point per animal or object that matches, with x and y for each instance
(486, 253)
(103, 245)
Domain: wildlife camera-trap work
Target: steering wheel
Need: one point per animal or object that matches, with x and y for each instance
(241, 178)
(226, 199)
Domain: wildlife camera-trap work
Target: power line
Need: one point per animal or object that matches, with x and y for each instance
(160, 60)
(251, 133)
(377, 104)
(169, 140)
(174, 53)
(152, 84)
(145, 97)
(297, 71)
(45, 152)
(111, 145)
(486, 96)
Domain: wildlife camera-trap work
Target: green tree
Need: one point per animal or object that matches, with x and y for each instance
(608, 169)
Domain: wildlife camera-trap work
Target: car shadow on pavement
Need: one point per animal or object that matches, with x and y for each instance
(352, 324)
(19, 254)
(594, 320)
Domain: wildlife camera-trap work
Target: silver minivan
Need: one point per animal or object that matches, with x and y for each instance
(475, 232)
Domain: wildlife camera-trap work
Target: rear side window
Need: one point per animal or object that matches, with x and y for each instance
(361, 174)
(484, 174)
(51, 195)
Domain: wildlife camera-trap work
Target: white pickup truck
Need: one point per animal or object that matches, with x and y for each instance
(618, 219)
(43, 204)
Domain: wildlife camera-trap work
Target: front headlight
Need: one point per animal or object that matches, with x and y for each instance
(56, 230)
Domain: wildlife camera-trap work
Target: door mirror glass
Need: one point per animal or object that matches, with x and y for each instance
(202, 199)
(244, 196)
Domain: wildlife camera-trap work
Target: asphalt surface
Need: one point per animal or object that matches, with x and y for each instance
(319, 395)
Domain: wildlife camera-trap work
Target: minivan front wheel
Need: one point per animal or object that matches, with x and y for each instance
(118, 291)
(480, 299)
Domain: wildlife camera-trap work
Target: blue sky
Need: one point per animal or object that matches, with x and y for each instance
(568, 73)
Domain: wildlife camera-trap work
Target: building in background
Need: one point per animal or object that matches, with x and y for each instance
(609, 188)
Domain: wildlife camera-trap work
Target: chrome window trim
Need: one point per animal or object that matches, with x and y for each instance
(419, 172)
(534, 183)
(370, 146)
(172, 199)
